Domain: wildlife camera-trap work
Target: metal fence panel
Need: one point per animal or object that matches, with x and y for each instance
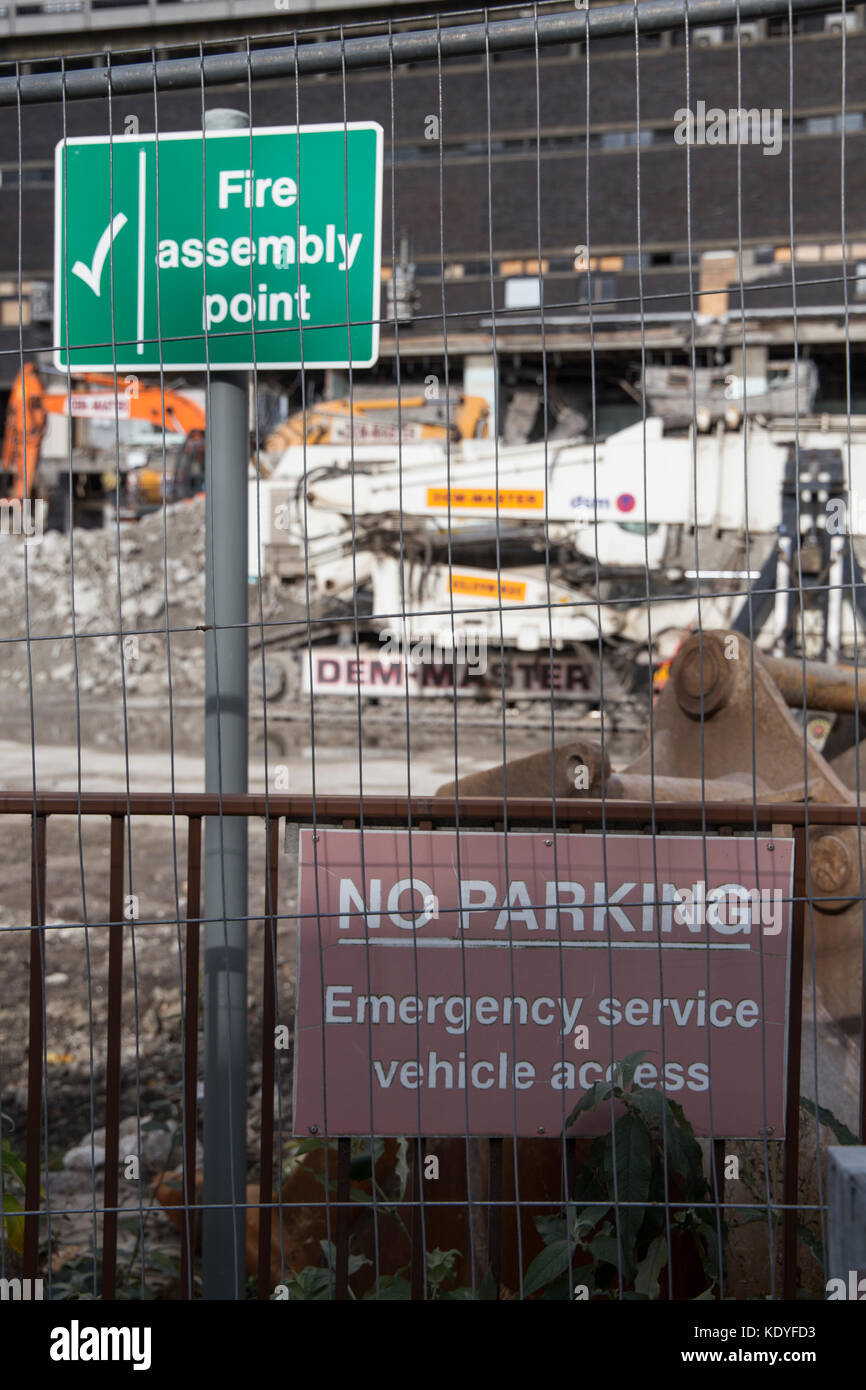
(576, 557)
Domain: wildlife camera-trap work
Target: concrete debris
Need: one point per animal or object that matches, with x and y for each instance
(160, 562)
(157, 1144)
(82, 1157)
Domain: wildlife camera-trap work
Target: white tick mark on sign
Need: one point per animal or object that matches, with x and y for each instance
(92, 274)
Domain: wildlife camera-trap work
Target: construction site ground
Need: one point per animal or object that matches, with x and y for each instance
(76, 960)
(112, 737)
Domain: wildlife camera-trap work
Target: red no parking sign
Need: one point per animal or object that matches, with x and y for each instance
(483, 986)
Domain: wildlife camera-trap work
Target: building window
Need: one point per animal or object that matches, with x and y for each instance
(832, 125)
(522, 293)
(40, 177)
(9, 313)
(623, 139)
(809, 253)
(603, 287)
(510, 268)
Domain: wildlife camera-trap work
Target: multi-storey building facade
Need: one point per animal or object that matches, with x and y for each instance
(517, 180)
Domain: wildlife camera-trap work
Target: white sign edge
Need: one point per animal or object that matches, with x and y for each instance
(117, 364)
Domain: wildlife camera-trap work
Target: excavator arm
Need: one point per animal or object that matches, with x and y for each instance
(30, 404)
(380, 419)
(22, 438)
(179, 414)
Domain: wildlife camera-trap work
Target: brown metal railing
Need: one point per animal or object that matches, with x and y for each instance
(571, 815)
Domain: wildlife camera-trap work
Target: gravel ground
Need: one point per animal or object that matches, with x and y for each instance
(56, 606)
(109, 742)
(76, 1001)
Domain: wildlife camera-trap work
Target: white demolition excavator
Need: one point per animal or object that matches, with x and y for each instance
(459, 563)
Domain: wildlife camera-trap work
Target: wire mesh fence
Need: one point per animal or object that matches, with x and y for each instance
(440, 441)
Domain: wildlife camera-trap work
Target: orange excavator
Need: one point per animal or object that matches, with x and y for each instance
(377, 415)
(371, 416)
(126, 398)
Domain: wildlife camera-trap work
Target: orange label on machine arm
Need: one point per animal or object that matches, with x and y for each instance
(508, 500)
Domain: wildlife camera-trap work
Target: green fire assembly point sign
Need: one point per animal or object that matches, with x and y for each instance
(225, 250)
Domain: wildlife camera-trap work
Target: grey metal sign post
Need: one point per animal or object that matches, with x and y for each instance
(226, 735)
(135, 217)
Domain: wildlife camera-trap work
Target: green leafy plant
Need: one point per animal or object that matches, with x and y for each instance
(843, 1135)
(441, 1269)
(390, 1187)
(13, 1207)
(80, 1274)
(316, 1282)
(840, 1131)
(80, 1278)
(14, 1181)
(755, 1181)
(614, 1236)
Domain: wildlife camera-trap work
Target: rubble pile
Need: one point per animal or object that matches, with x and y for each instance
(159, 556)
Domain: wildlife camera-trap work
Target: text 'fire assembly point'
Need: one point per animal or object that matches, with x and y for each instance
(226, 250)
